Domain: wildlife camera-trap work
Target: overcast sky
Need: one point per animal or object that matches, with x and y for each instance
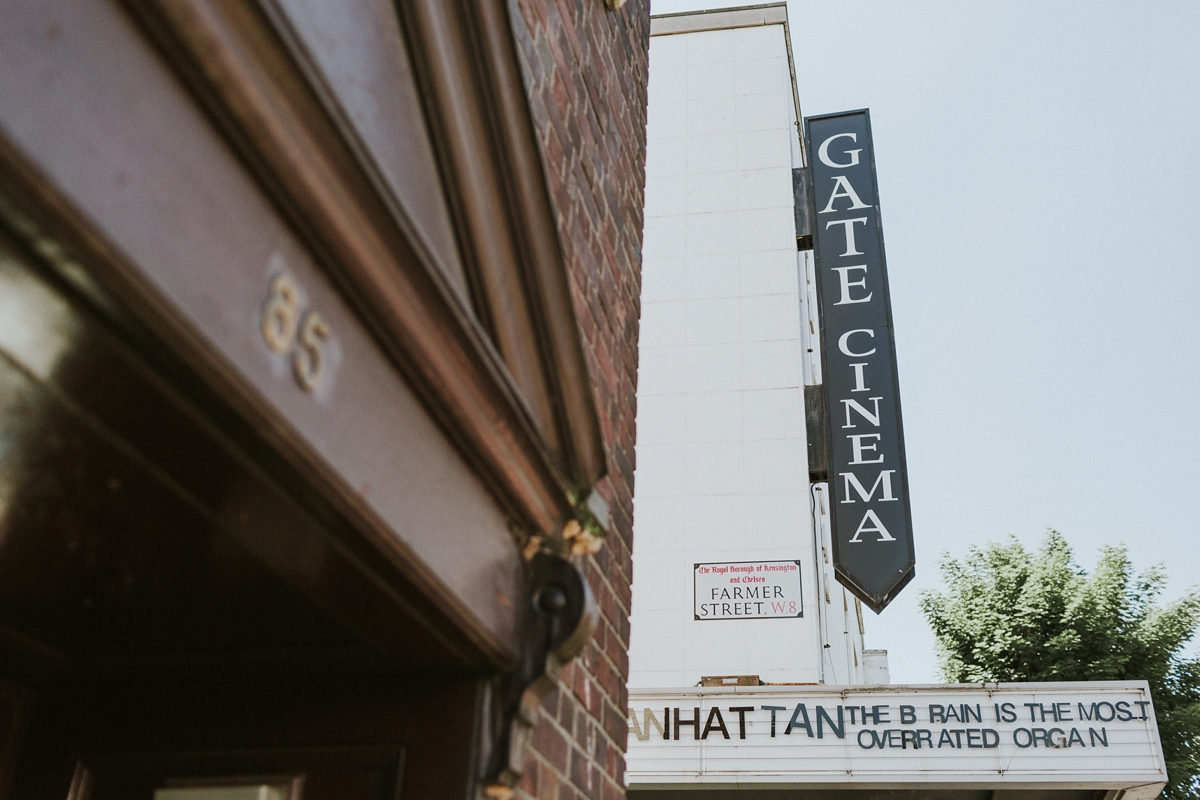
(1039, 181)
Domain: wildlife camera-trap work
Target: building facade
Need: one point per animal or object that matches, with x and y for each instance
(729, 330)
(748, 672)
(318, 366)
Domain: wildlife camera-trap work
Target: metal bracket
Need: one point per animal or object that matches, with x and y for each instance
(560, 617)
(816, 423)
(802, 192)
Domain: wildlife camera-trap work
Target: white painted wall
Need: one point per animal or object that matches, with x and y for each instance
(721, 455)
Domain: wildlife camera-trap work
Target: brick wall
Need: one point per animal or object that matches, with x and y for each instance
(586, 71)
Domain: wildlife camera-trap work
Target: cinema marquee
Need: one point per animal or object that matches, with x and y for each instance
(1061, 740)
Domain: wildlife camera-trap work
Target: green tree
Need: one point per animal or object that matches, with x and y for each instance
(1009, 614)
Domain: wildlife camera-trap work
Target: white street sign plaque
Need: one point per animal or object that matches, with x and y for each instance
(747, 590)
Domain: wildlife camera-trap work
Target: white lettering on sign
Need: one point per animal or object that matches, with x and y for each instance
(844, 342)
(875, 526)
(747, 590)
(856, 443)
(842, 189)
(884, 480)
(859, 384)
(847, 284)
(823, 151)
(851, 245)
(871, 417)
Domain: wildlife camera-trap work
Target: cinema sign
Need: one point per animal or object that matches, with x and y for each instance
(1085, 735)
(869, 507)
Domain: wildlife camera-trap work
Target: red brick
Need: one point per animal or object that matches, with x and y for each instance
(585, 72)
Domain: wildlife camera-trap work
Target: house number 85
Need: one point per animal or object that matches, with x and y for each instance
(286, 329)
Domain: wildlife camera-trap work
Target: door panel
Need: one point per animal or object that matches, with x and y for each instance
(335, 738)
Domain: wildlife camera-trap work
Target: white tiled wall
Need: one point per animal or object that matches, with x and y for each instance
(721, 459)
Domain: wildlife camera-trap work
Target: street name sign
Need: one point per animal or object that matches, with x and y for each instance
(747, 590)
(870, 517)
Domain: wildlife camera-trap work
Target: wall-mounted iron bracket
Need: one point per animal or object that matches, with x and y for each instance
(561, 615)
(816, 423)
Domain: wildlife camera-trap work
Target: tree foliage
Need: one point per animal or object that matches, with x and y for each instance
(1009, 614)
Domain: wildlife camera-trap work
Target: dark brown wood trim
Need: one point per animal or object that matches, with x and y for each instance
(53, 229)
(541, 250)
(234, 62)
(444, 59)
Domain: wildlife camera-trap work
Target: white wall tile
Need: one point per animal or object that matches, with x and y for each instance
(704, 641)
(713, 321)
(666, 196)
(767, 228)
(770, 365)
(712, 367)
(763, 149)
(710, 80)
(661, 524)
(770, 317)
(666, 85)
(711, 416)
(667, 157)
(713, 467)
(775, 465)
(712, 114)
(792, 551)
(672, 578)
(663, 324)
(711, 234)
(711, 191)
(667, 53)
(660, 419)
(782, 642)
(660, 470)
(662, 370)
(754, 43)
(714, 524)
(770, 414)
(664, 278)
(781, 519)
(765, 188)
(666, 121)
(710, 276)
(712, 152)
(658, 679)
(665, 237)
(760, 112)
(762, 76)
(710, 47)
(658, 639)
(768, 272)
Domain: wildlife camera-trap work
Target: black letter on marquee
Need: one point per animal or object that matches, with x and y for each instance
(773, 709)
(694, 722)
(839, 729)
(741, 712)
(708, 724)
(800, 711)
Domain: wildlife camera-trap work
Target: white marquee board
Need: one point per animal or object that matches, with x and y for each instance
(1038, 735)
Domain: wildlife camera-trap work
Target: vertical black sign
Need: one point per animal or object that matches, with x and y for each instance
(871, 520)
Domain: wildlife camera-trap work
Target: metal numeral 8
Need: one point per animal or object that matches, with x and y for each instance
(281, 314)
